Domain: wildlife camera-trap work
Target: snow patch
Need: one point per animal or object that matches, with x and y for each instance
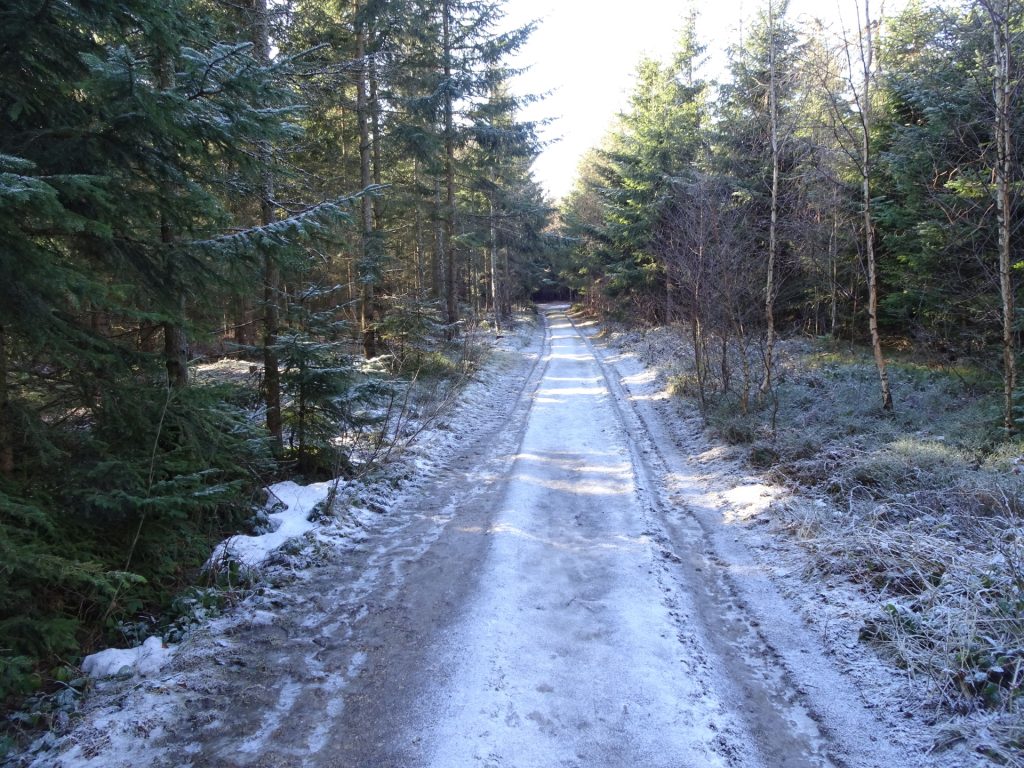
(165, 721)
(288, 523)
(745, 502)
(145, 660)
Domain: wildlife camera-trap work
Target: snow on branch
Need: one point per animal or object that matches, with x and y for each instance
(303, 226)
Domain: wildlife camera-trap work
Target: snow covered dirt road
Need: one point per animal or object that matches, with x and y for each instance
(604, 631)
(561, 594)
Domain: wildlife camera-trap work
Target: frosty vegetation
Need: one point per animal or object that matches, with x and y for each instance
(920, 510)
(248, 248)
(828, 239)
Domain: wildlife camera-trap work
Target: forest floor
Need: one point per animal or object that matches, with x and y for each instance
(565, 571)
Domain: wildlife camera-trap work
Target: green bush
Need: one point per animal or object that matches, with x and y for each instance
(116, 518)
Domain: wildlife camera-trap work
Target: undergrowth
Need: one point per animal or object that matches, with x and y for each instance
(100, 534)
(923, 507)
(930, 515)
(105, 529)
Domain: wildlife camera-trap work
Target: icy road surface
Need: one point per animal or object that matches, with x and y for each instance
(561, 594)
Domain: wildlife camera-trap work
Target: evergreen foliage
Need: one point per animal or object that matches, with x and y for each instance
(704, 191)
(180, 180)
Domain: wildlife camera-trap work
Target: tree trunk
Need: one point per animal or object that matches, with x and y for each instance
(176, 348)
(421, 276)
(506, 294)
(726, 370)
(244, 331)
(175, 338)
(375, 131)
(367, 267)
(6, 427)
(698, 356)
(271, 272)
(493, 253)
(1002, 92)
(473, 286)
(298, 440)
(668, 294)
(773, 243)
(867, 55)
(451, 272)
(271, 368)
(833, 260)
(437, 269)
(700, 351)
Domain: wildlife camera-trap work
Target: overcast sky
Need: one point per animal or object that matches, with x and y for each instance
(586, 51)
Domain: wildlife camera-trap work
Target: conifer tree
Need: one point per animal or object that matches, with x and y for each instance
(659, 141)
(755, 150)
(455, 57)
(126, 179)
(260, 34)
(498, 160)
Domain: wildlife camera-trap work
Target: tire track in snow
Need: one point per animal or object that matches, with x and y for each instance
(575, 650)
(363, 623)
(667, 645)
(792, 699)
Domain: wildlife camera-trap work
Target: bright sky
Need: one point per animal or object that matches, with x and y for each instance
(586, 51)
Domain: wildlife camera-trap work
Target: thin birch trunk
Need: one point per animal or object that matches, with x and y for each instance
(833, 256)
(1002, 92)
(866, 58)
(773, 243)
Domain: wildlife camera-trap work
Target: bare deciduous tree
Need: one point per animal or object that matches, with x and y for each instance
(860, 70)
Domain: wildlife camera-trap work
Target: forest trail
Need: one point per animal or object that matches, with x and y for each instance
(562, 594)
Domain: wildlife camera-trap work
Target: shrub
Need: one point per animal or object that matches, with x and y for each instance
(89, 544)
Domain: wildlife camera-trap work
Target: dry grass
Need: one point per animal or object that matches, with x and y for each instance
(924, 509)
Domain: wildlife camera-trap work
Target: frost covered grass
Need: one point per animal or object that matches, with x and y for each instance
(925, 508)
(922, 510)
